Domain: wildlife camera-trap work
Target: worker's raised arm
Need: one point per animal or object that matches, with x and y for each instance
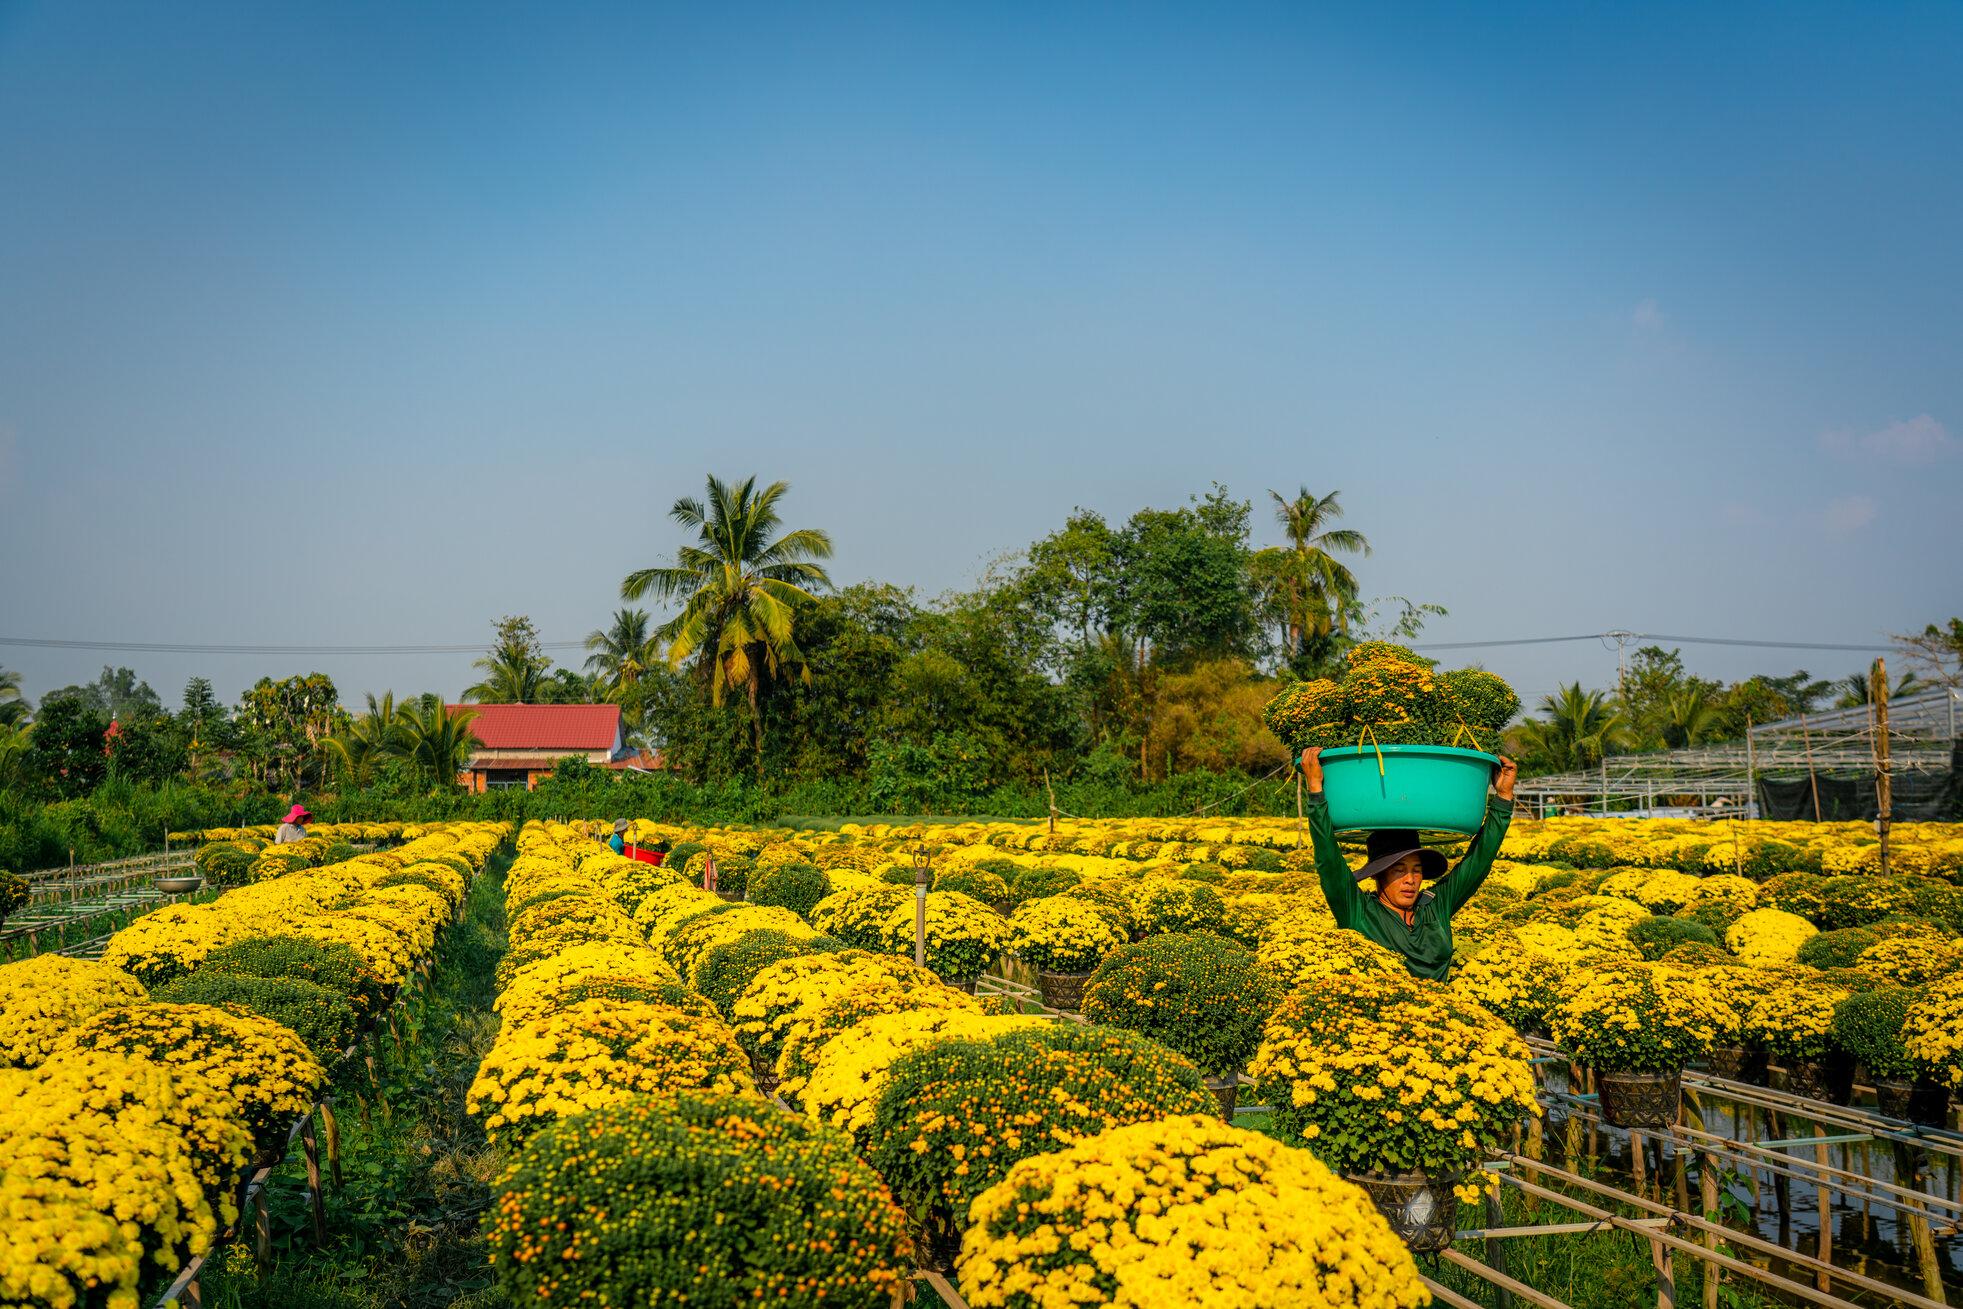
(1331, 869)
(1459, 885)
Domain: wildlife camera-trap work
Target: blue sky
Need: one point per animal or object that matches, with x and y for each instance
(368, 323)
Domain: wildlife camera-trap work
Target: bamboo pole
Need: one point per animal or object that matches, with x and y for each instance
(1812, 777)
(1883, 783)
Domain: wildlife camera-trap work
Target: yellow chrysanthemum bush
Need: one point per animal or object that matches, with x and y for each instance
(1791, 1017)
(1911, 959)
(1061, 934)
(1307, 949)
(956, 1115)
(686, 946)
(1635, 1017)
(1765, 937)
(596, 1053)
(1197, 994)
(264, 1066)
(964, 936)
(695, 1198)
(1182, 1211)
(1514, 980)
(790, 993)
(857, 915)
(844, 1087)
(113, 1171)
(1933, 1031)
(1400, 1075)
(43, 997)
(807, 1039)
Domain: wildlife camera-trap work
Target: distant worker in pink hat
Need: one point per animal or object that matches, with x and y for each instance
(292, 829)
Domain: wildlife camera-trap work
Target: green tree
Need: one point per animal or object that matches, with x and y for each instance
(1857, 689)
(283, 722)
(741, 586)
(1689, 718)
(14, 708)
(1313, 588)
(516, 666)
(1576, 730)
(117, 693)
(1936, 653)
(370, 740)
(438, 740)
(618, 654)
(66, 755)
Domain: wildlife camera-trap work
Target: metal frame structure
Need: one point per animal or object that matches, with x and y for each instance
(1720, 780)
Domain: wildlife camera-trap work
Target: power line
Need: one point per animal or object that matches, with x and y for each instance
(477, 647)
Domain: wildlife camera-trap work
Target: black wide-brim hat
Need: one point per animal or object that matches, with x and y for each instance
(1388, 845)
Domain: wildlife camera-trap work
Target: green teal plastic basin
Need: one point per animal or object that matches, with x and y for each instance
(1438, 788)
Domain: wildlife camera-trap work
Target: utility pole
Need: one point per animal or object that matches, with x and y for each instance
(1884, 789)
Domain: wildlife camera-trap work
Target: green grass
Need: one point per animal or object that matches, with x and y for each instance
(402, 1231)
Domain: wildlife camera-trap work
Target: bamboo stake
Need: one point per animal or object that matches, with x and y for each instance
(1883, 783)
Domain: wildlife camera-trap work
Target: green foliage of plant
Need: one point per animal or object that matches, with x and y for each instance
(324, 963)
(1016, 1095)
(1869, 1027)
(224, 863)
(1714, 914)
(319, 1016)
(682, 853)
(1858, 899)
(1476, 702)
(1836, 949)
(13, 893)
(732, 966)
(733, 1200)
(1656, 936)
(1197, 994)
(795, 887)
(1034, 881)
(1797, 893)
(975, 881)
(1178, 906)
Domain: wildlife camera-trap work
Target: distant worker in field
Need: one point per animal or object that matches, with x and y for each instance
(292, 827)
(1398, 913)
(618, 841)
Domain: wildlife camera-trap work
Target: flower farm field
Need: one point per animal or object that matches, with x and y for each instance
(585, 1078)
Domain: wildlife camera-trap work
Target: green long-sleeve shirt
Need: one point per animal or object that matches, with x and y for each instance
(1426, 944)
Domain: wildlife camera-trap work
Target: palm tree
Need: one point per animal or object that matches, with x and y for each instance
(379, 734)
(1689, 717)
(1576, 729)
(14, 739)
(621, 652)
(437, 740)
(1856, 690)
(1317, 588)
(511, 676)
(740, 588)
(13, 706)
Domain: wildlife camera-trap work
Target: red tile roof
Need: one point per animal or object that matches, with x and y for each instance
(571, 727)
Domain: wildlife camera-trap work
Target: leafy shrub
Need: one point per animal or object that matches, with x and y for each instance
(1656, 936)
(796, 887)
(1859, 899)
(956, 1116)
(684, 851)
(321, 1017)
(1637, 1017)
(13, 893)
(1306, 713)
(324, 963)
(732, 1201)
(1170, 906)
(975, 881)
(1472, 707)
(1869, 1027)
(902, 875)
(1718, 915)
(1836, 949)
(1336, 1058)
(1796, 893)
(1062, 935)
(225, 864)
(1197, 994)
(1035, 881)
(727, 969)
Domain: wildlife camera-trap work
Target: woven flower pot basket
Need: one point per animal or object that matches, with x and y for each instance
(1227, 1090)
(1923, 1102)
(1423, 1211)
(1062, 990)
(1738, 1064)
(1639, 1099)
(1830, 1078)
